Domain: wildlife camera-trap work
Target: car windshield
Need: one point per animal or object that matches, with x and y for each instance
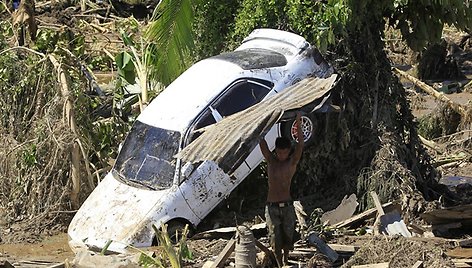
(146, 158)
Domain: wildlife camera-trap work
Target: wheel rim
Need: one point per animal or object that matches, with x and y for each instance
(307, 129)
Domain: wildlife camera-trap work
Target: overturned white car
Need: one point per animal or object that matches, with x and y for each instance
(149, 185)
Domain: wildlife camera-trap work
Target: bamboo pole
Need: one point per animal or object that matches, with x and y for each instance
(69, 119)
(430, 90)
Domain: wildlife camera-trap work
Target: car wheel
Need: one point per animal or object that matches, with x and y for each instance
(175, 229)
(308, 129)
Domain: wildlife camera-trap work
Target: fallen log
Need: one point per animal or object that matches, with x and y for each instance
(433, 92)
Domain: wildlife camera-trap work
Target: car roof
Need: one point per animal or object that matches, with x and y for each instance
(189, 94)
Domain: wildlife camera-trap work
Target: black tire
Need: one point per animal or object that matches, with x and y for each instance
(175, 230)
(309, 127)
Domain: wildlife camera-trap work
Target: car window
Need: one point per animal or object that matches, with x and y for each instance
(147, 156)
(205, 120)
(240, 96)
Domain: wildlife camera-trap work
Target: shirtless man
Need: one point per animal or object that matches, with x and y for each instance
(279, 211)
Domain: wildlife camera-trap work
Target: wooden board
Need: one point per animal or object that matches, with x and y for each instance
(376, 265)
(461, 253)
(229, 248)
(344, 248)
(370, 213)
(452, 214)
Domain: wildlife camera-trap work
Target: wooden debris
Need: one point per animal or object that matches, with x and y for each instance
(417, 229)
(462, 262)
(344, 248)
(224, 254)
(418, 264)
(430, 90)
(314, 240)
(267, 251)
(376, 265)
(370, 213)
(391, 223)
(226, 231)
(379, 225)
(447, 215)
(344, 211)
(461, 253)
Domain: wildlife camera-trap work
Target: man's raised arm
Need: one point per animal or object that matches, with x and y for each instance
(265, 150)
(299, 148)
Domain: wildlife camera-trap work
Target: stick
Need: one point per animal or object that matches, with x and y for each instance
(69, 118)
(430, 90)
(431, 144)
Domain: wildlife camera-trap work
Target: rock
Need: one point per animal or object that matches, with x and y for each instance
(86, 259)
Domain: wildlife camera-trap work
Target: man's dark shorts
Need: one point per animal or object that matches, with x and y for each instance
(281, 221)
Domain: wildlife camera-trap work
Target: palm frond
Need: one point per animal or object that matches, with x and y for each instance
(170, 31)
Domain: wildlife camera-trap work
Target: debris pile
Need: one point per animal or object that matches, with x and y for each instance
(378, 237)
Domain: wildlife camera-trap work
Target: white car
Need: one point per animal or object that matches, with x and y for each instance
(147, 185)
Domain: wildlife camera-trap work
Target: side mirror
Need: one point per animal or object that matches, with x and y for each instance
(186, 170)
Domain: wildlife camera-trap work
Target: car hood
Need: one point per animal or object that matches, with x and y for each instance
(113, 211)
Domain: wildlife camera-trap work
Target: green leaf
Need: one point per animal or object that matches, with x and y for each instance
(126, 67)
(171, 31)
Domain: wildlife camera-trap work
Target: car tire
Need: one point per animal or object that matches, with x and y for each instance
(308, 128)
(175, 229)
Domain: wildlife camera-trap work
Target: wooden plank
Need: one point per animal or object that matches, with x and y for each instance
(463, 260)
(267, 251)
(418, 264)
(452, 214)
(465, 253)
(58, 265)
(229, 248)
(344, 248)
(376, 265)
(417, 229)
(377, 203)
(370, 213)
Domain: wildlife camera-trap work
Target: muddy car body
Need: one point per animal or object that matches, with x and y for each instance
(147, 185)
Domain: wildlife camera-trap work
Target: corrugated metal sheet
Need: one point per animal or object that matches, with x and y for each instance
(233, 138)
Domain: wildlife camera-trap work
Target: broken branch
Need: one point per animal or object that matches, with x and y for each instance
(430, 90)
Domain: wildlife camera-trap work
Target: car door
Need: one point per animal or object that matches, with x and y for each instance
(208, 184)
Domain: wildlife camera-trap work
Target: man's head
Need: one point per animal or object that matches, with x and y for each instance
(282, 148)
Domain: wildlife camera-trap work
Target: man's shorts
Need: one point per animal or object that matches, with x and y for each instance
(280, 219)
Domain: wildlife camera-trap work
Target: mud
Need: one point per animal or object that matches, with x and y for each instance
(53, 248)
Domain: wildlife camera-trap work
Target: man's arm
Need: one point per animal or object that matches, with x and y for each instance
(265, 150)
(299, 148)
